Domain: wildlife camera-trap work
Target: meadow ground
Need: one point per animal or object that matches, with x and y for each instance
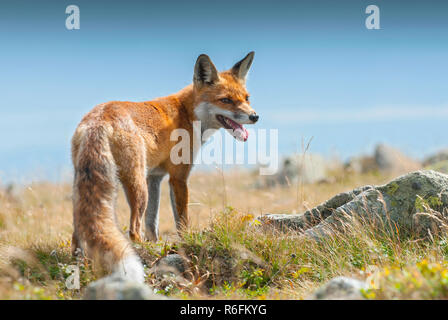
(230, 254)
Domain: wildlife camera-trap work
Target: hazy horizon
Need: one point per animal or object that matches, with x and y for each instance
(318, 72)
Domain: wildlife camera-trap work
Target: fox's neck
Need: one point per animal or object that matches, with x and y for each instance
(188, 101)
(186, 98)
(193, 108)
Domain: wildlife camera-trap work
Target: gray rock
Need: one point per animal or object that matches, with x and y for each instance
(118, 288)
(397, 201)
(171, 265)
(391, 160)
(314, 216)
(429, 224)
(340, 288)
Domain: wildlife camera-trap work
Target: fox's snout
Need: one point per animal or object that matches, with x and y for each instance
(254, 117)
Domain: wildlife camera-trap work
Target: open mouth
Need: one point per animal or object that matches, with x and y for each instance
(235, 129)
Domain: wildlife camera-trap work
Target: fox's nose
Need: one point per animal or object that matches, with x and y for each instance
(254, 117)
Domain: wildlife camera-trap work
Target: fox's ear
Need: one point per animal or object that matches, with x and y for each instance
(241, 68)
(204, 71)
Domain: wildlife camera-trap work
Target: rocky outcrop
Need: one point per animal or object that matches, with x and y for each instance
(314, 216)
(172, 265)
(400, 202)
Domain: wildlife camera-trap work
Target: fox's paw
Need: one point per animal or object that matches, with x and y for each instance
(136, 237)
(151, 236)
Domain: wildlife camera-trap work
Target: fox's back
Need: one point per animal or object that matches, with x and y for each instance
(145, 125)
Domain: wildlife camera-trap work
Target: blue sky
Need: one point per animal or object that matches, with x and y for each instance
(318, 72)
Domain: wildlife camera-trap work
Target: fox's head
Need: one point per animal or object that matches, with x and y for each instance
(221, 98)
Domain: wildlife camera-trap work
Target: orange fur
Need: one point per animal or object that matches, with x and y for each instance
(126, 141)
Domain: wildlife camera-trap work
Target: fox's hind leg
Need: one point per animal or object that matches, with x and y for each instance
(137, 194)
(130, 153)
(75, 244)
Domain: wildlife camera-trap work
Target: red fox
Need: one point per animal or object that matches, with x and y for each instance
(129, 142)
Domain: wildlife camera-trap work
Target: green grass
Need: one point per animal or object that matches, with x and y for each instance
(237, 258)
(231, 256)
(258, 262)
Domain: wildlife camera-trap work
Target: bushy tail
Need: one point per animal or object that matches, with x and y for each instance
(94, 194)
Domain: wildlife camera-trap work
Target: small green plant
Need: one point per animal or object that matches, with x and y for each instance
(428, 203)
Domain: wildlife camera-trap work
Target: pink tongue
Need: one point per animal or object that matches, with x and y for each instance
(239, 132)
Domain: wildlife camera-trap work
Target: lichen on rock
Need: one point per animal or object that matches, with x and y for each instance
(397, 201)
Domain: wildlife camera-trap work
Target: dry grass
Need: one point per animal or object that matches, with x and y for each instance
(232, 258)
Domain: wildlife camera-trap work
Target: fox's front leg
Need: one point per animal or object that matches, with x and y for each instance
(152, 210)
(179, 201)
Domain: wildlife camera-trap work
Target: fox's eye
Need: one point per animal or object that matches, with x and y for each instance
(226, 100)
(247, 98)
